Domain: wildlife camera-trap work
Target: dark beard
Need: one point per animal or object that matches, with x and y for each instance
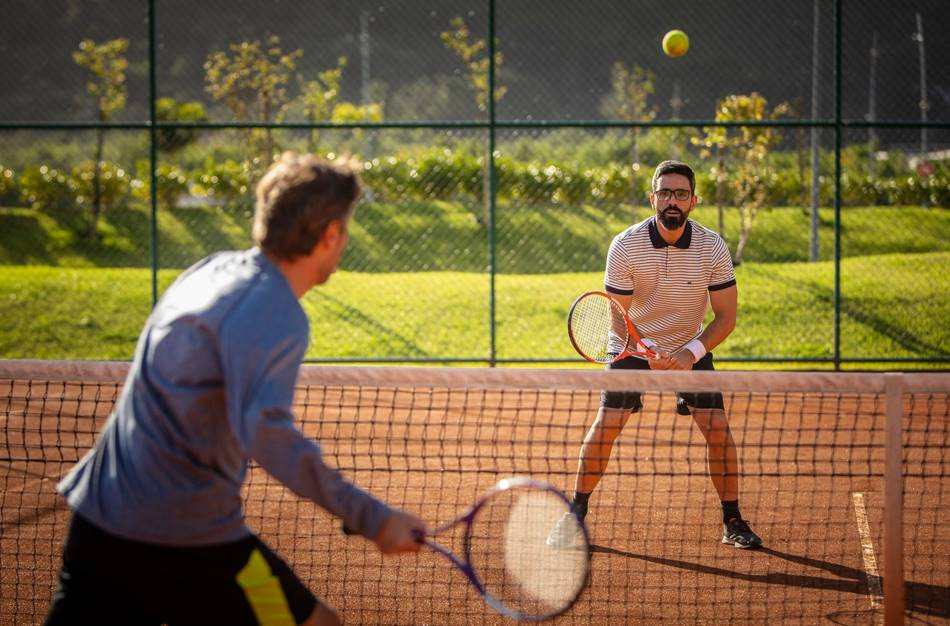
(672, 221)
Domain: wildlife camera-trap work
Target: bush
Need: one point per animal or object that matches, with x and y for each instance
(114, 183)
(387, 177)
(444, 175)
(44, 187)
(9, 192)
(169, 110)
(171, 184)
(227, 181)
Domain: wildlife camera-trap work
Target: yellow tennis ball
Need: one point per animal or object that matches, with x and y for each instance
(675, 43)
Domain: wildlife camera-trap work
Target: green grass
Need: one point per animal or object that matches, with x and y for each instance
(429, 236)
(892, 305)
(414, 285)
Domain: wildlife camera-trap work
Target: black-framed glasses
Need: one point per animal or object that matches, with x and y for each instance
(680, 194)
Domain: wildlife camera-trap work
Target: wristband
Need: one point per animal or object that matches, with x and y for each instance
(697, 348)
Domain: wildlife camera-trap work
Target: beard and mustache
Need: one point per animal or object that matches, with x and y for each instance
(672, 218)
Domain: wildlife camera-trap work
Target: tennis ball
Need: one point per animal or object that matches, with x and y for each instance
(675, 43)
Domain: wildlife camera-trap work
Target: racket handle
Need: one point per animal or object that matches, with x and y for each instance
(418, 535)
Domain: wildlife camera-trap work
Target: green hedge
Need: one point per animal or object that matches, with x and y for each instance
(441, 174)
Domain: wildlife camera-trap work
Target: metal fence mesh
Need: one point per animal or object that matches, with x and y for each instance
(483, 217)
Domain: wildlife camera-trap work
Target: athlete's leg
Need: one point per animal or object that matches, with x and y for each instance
(597, 446)
(721, 456)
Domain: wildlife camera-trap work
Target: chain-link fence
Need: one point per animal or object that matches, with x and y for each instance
(131, 136)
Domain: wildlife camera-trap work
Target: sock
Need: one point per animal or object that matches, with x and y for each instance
(579, 505)
(730, 510)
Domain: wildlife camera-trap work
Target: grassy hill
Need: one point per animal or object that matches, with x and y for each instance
(445, 236)
(413, 283)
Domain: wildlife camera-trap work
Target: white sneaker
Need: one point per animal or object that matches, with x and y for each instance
(565, 532)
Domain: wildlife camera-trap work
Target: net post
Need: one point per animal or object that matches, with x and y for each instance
(893, 501)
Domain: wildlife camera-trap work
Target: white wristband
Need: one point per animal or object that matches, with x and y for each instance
(697, 348)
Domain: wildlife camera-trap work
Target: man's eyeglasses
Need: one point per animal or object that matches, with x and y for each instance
(680, 194)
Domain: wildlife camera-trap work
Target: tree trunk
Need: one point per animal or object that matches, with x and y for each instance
(634, 158)
(268, 137)
(800, 141)
(485, 218)
(720, 209)
(97, 184)
(747, 215)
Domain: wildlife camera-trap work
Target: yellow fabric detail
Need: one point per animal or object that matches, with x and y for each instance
(264, 593)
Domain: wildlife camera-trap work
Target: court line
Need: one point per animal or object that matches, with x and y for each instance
(875, 595)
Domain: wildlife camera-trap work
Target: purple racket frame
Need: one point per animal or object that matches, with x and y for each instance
(465, 566)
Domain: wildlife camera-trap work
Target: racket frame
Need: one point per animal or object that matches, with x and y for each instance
(633, 335)
(465, 566)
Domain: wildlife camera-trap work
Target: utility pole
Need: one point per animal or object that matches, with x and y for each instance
(815, 136)
(924, 105)
(676, 103)
(364, 58)
(872, 105)
(368, 136)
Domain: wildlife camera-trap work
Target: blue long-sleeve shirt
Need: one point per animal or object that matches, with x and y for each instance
(211, 387)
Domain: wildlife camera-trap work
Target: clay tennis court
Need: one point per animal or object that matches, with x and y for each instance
(813, 468)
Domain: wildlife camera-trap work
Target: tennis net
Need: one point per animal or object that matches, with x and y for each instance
(846, 476)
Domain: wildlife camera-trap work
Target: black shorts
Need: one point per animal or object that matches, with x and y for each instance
(110, 580)
(684, 400)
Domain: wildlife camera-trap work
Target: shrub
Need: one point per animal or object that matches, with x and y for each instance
(114, 183)
(9, 191)
(170, 110)
(443, 175)
(171, 184)
(228, 181)
(386, 177)
(44, 187)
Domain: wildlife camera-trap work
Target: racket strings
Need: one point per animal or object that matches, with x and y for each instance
(509, 550)
(596, 320)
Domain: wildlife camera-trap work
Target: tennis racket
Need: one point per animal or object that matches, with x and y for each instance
(506, 555)
(594, 318)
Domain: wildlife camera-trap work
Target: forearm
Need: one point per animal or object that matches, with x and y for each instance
(297, 462)
(719, 328)
(714, 334)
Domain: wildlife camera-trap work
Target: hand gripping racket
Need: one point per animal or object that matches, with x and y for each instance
(593, 319)
(507, 554)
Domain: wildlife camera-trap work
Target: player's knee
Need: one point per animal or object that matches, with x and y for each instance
(714, 423)
(610, 421)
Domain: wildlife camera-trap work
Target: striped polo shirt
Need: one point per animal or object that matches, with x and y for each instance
(669, 282)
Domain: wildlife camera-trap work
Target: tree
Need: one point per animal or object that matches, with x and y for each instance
(319, 96)
(170, 110)
(628, 100)
(743, 150)
(106, 64)
(319, 101)
(252, 81)
(348, 113)
(474, 54)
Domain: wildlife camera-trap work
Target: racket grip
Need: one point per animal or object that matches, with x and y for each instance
(418, 535)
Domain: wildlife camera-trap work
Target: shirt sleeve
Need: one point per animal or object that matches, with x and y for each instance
(618, 275)
(722, 274)
(260, 389)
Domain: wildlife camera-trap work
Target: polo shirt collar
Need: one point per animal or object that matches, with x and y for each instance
(683, 242)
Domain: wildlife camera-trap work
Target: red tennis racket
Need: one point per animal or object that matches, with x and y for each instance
(602, 332)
